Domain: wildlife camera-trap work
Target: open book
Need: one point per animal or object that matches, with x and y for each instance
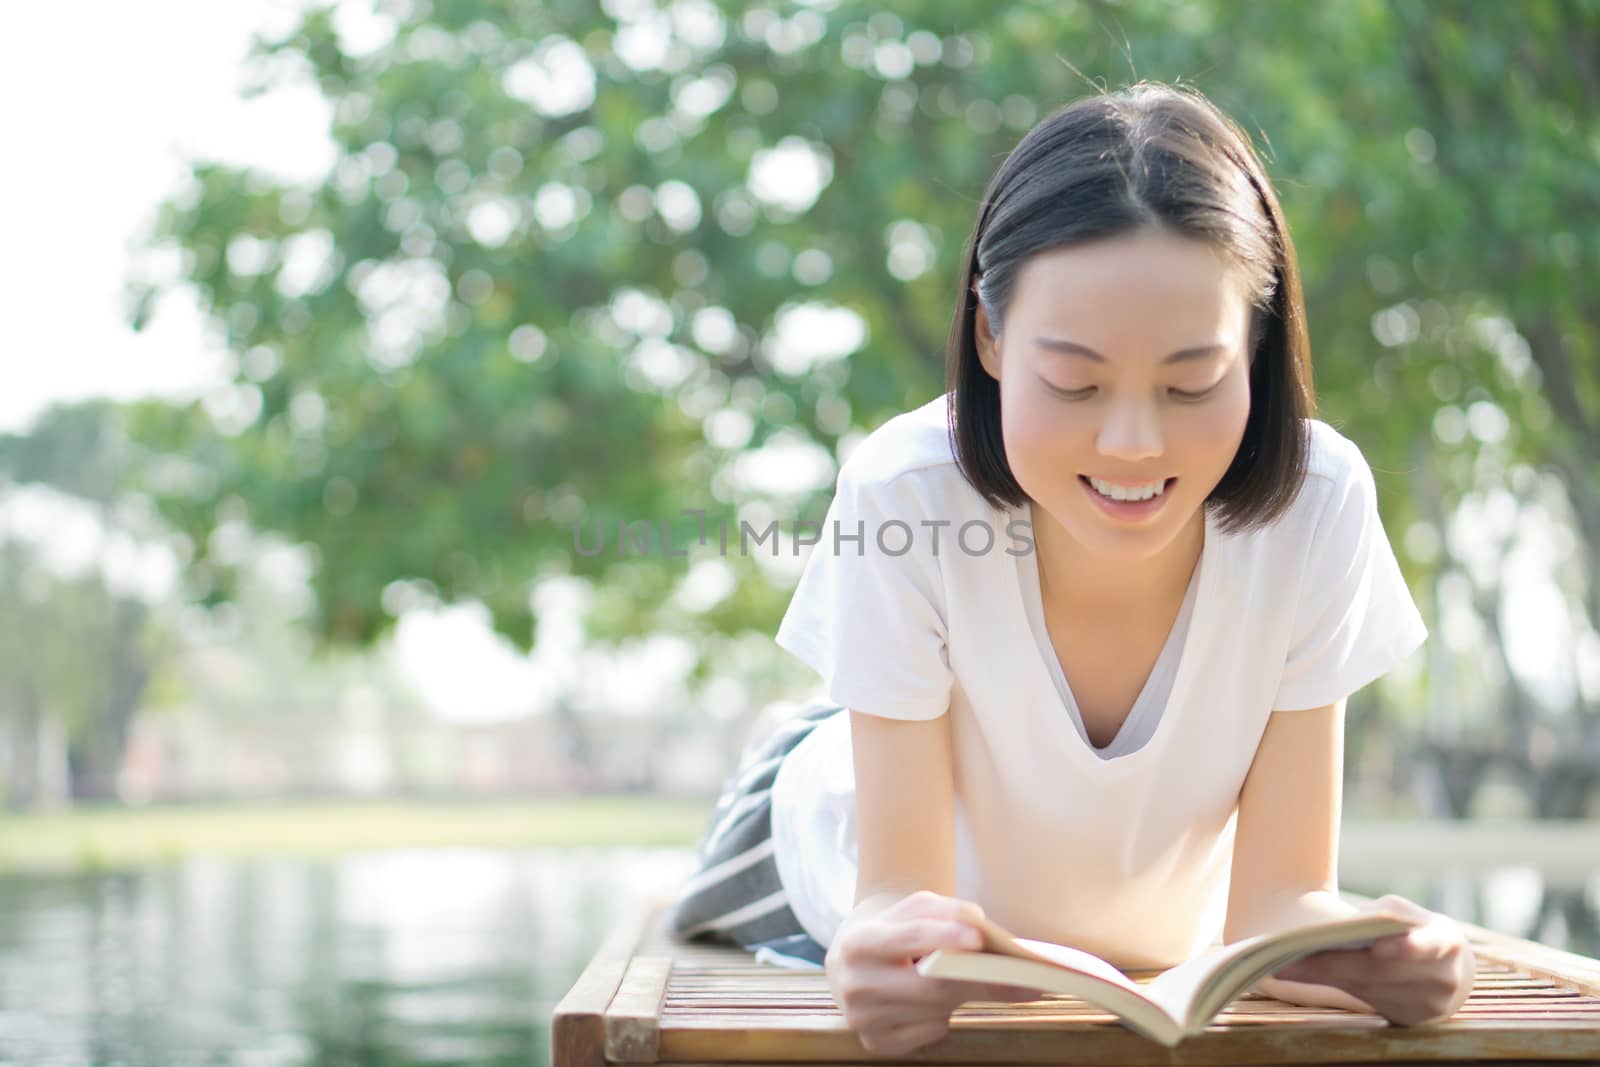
(1180, 1001)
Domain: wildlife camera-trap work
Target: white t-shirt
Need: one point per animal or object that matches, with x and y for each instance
(1124, 851)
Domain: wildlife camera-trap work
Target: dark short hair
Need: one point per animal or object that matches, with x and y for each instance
(1148, 155)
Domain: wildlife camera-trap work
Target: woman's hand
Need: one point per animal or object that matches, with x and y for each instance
(1421, 976)
(869, 964)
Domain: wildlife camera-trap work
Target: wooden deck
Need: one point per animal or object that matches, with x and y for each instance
(647, 997)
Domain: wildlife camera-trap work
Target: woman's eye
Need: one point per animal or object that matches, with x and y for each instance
(1083, 394)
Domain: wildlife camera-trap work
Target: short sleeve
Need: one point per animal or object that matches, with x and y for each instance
(866, 616)
(1355, 618)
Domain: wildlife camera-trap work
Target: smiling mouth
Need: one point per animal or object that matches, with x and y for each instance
(1166, 485)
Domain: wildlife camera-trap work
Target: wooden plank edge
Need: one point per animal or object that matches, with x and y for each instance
(633, 1021)
(1100, 1063)
(577, 1027)
(1562, 968)
(1362, 1039)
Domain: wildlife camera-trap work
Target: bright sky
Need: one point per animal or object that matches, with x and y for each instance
(104, 126)
(102, 123)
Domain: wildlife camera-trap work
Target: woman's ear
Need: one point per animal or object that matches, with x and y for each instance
(983, 338)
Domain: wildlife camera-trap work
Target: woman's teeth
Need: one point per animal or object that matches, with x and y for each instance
(1134, 493)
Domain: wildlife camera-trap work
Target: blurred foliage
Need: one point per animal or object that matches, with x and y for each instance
(95, 634)
(57, 712)
(77, 648)
(507, 307)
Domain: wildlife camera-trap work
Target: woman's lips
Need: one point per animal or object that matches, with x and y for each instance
(1128, 509)
(1167, 482)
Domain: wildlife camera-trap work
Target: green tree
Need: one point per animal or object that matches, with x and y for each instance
(76, 651)
(569, 257)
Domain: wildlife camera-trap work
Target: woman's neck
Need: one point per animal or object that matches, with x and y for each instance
(1084, 585)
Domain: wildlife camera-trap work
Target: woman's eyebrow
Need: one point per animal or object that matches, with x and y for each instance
(1072, 348)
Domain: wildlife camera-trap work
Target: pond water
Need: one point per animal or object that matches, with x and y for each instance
(404, 957)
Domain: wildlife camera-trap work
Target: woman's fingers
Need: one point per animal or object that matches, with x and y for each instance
(906, 1037)
(893, 988)
(870, 973)
(925, 904)
(918, 937)
(896, 987)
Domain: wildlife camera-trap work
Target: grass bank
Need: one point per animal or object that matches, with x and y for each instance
(118, 837)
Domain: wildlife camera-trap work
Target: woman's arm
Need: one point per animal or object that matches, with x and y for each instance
(1285, 866)
(905, 907)
(905, 806)
(1286, 841)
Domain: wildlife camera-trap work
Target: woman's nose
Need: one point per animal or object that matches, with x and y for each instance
(1131, 431)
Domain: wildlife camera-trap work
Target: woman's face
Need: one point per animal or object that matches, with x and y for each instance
(1123, 360)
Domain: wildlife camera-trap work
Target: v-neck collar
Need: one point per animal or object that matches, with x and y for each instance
(1031, 599)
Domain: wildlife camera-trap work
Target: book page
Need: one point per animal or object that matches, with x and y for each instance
(1077, 960)
(1220, 974)
(1265, 953)
(1175, 990)
(1064, 978)
(997, 938)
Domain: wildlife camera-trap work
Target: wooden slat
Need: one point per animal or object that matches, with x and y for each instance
(689, 1003)
(633, 1021)
(1343, 1039)
(577, 1028)
(934, 1062)
(1564, 968)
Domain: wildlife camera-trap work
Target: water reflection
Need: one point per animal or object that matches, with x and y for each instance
(395, 958)
(401, 958)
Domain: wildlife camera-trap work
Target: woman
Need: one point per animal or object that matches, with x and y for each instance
(1087, 623)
